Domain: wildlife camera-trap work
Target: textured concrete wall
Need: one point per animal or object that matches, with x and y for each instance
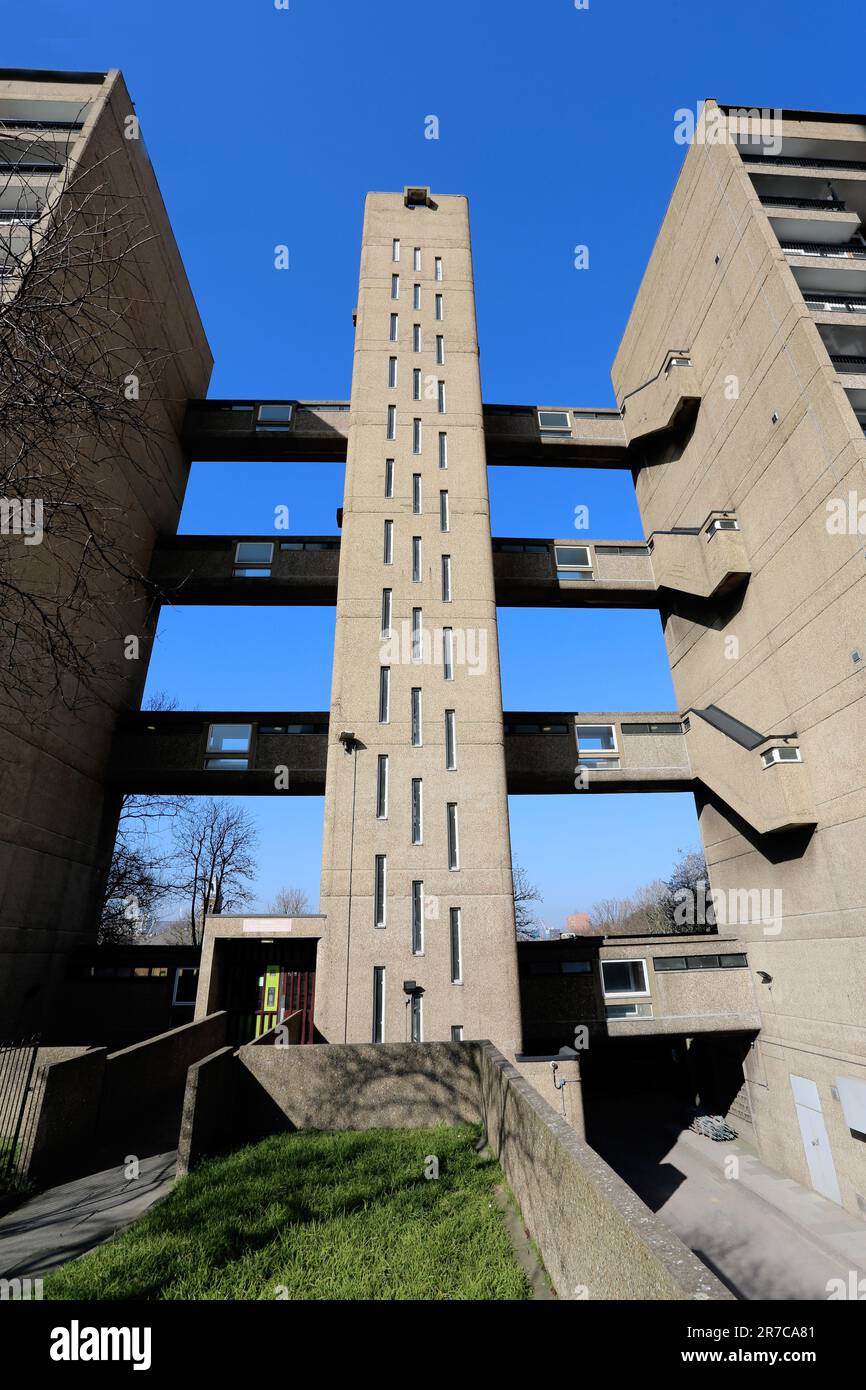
(68, 1114)
(210, 1121)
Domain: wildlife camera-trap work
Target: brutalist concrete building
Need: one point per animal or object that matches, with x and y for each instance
(741, 390)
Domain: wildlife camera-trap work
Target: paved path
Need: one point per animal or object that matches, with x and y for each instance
(764, 1235)
(64, 1222)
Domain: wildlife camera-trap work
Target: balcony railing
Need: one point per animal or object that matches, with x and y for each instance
(823, 204)
(824, 248)
(792, 162)
(28, 166)
(21, 123)
(835, 303)
(9, 216)
(848, 364)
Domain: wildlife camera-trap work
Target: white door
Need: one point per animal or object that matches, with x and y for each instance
(816, 1144)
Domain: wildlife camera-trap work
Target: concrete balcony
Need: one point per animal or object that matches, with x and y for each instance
(554, 437)
(595, 752)
(218, 569)
(707, 560)
(667, 402)
(761, 777)
(267, 431)
(826, 221)
(566, 574)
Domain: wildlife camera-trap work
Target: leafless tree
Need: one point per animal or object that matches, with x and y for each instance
(215, 847)
(80, 421)
(290, 902)
(525, 893)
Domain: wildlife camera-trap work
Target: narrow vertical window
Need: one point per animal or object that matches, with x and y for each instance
(416, 296)
(391, 430)
(417, 626)
(416, 337)
(443, 449)
(416, 383)
(438, 267)
(384, 694)
(440, 349)
(416, 494)
(456, 1032)
(416, 559)
(416, 1026)
(389, 477)
(380, 889)
(386, 612)
(448, 653)
(454, 938)
(417, 730)
(379, 1003)
(416, 436)
(439, 307)
(382, 787)
(388, 546)
(417, 918)
(443, 510)
(392, 332)
(416, 259)
(450, 740)
(453, 846)
(417, 812)
(395, 249)
(440, 397)
(395, 286)
(392, 372)
(446, 578)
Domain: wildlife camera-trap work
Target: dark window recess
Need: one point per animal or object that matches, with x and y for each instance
(536, 728)
(653, 729)
(520, 548)
(621, 550)
(310, 545)
(734, 961)
(321, 729)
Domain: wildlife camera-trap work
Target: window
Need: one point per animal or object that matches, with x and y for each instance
(448, 653)
(438, 264)
(416, 258)
(443, 510)
(634, 1010)
(417, 812)
(395, 249)
(386, 612)
(416, 296)
(450, 740)
(382, 787)
(228, 747)
(416, 383)
(391, 428)
(417, 918)
(416, 559)
(621, 550)
(554, 421)
(384, 694)
(440, 349)
(570, 557)
(620, 977)
(416, 436)
(394, 328)
(454, 941)
(378, 1003)
(453, 845)
(416, 494)
(416, 337)
(596, 745)
(392, 372)
(253, 560)
(416, 1012)
(446, 578)
(443, 449)
(732, 961)
(388, 545)
(389, 477)
(456, 1032)
(395, 286)
(723, 523)
(417, 634)
(185, 984)
(654, 730)
(417, 728)
(380, 886)
(273, 419)
(439, 307)
(440, 397)
(781, 755)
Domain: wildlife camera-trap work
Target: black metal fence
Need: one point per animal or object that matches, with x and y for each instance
(21, 1080)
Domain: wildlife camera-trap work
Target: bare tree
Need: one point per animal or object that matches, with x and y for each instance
(215, 857)
(80, 422)
(525, 920)
(134, 890)
(290, 902)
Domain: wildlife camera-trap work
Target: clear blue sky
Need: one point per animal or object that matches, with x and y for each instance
(268, 126)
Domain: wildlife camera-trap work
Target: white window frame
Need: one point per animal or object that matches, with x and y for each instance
(448, 653)
(395, 249)
(380, 892)
(625, 993)
(450, 740)
(440, 397)
(438, 267)
(440, 350)
(395, 286)
(389, 477)
(416, 337)
(416, 258)
(416, 1008)
(417, 436)
(443, 448)
(769, 756)
(416, 383)
(452, 836)
(444, 511)
(384, 694)
(554, 429)
(416, 811)
(417, 501)
(446, 579)
(417, 635)
(440, 308)
(388, 544)
(417, 560)
(416, 296)
(379, 991)
(182, 1003)
(387, 613)
(391, 424)
(455, 916)
(394, 329)
(416, 917)
(382, 786)
(416, 717)
(392, 373)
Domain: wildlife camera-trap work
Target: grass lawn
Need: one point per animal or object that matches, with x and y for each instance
(317, 1216)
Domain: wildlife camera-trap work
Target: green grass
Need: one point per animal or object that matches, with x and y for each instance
(317, 1216)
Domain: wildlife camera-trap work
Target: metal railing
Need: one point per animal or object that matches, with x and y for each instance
(20, 123)
(20, 1083)
(824, 248)
(793, 162)
(852, 304)
(848, 364)
(823, 204)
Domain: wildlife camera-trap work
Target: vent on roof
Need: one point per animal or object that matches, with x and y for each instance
(416, 197)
